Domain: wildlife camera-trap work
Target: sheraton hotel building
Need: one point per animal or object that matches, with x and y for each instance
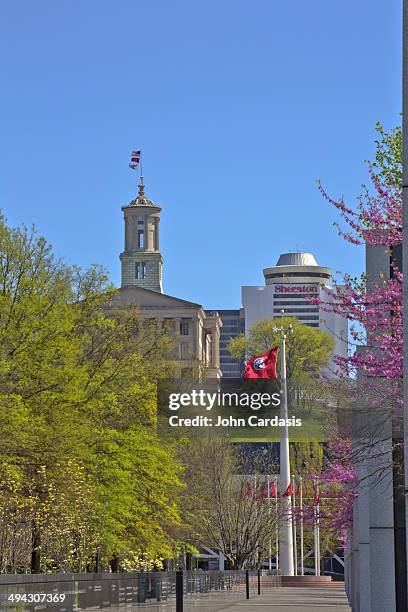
(289, 285)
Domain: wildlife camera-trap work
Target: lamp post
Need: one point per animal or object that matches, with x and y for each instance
(285, 528)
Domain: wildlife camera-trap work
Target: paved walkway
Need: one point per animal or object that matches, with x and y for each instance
(295, 599)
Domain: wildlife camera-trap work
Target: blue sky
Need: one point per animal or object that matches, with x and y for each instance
(238, 107)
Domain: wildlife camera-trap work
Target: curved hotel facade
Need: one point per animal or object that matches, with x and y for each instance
(294, 280)
(289, 285)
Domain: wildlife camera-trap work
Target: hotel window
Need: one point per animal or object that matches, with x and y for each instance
(140, 269)
(140, 239)
(184, 329)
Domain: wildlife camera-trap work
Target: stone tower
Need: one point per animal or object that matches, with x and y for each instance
(141, 259)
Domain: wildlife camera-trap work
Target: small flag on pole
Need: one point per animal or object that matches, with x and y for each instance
(288, 491)
(135, 159)
(273, 489)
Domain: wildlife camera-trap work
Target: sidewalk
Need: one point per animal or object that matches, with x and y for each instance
(297, 599)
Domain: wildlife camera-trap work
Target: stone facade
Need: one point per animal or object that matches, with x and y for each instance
(141, 260)
(196, 332)
(151, 263)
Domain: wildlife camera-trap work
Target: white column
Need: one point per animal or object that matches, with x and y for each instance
(363, 542)
(302, 564)
(295, 562)
(221, 561)
(381, 538)
(347, 581)
(268, 481)
(277, 567)
(146, 233)
(354, 564)
(285, 531)
(157, 234)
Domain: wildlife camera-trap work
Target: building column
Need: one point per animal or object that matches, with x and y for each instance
(381, 525)
(363, 502)
(146, 233)
(221, 566)
(347, 571)
(157, 234)
(215, 348)
(197, 340)
(355, 593)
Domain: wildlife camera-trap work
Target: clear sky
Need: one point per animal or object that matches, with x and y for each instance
(238, 107)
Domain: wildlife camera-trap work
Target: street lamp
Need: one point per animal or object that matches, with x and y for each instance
(285, 529)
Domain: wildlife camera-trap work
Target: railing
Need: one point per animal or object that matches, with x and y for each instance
(155, 591)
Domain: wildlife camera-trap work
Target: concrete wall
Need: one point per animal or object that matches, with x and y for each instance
(372, 561)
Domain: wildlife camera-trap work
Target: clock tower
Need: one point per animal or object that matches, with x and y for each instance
(141, 260)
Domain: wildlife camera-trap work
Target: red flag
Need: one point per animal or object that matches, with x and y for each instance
(288, 491)
(262, 366)
(134, 159)
(273, 489)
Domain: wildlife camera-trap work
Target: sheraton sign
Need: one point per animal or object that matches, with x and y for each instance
(296, 289)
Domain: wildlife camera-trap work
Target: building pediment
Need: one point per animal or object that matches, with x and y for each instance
(145, 298)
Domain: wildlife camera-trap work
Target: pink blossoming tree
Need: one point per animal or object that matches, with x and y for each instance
(374, 308)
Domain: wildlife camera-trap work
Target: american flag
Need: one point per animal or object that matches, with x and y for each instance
(135, 159)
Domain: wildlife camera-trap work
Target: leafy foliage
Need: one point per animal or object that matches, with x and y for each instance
(82, 469)
(307, 349)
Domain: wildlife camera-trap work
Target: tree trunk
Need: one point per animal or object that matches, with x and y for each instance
(114, 563)
(35, 549)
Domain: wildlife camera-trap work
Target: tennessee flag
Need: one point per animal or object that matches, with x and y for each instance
(262, 366)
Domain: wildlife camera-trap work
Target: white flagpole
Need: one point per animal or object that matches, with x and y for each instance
(294, 525)
(315, 529)
(257, 494)
(276, 526)
(269, 515)
(302, 568)
(285, 531)
(318, 526)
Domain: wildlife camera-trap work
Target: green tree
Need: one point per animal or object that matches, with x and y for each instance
(388, 154)
(82, 469)
(308, 349)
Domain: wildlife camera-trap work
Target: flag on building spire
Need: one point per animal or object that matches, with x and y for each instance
(135, 159)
